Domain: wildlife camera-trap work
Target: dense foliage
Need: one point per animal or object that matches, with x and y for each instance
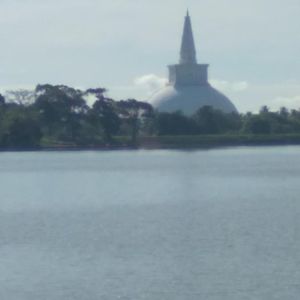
(60, 116)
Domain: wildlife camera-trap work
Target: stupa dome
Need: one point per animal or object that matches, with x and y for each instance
(188, 88)
(189, 99)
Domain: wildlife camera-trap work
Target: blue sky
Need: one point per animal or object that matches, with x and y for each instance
(253, 47)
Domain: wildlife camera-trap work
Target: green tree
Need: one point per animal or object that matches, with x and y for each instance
(2, 100)
(20, 128)
(174, 124)
(61, 109)
(134, 112)
(256, 124)
(104, 114)
(212, 121)
(264, 110)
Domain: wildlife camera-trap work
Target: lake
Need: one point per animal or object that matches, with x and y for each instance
(150, 225)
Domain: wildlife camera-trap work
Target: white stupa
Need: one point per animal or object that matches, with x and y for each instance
(188, 88)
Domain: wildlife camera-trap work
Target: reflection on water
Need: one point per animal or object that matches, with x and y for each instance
(219, 224)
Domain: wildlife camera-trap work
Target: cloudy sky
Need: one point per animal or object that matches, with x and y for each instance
(252, 46)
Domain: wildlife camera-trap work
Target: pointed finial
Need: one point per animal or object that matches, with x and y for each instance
(187, 13)
(187, 51)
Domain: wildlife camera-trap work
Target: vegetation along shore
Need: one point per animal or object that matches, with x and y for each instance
(60, 117)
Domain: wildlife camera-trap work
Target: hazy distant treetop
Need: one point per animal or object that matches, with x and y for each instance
(21, 97)
(264, 109)
(2, 100)
(98, 92)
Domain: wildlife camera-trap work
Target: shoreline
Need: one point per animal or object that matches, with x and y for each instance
(172, 143)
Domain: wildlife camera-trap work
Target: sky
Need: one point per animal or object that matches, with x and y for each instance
(252, 46)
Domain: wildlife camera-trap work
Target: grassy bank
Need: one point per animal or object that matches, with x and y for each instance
(208, 141)
(170, 142)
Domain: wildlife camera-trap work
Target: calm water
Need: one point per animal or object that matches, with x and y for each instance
(150, 225)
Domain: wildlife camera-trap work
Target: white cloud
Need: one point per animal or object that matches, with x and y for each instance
(288, 102)
(145, 85)
(141, 87)
(150, 82)
(240, 86)
(226, 86)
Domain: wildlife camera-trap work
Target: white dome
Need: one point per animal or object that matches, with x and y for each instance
(189, 99)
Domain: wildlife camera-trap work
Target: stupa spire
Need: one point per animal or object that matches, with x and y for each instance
(188, 51)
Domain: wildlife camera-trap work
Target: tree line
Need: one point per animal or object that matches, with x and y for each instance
(60, 115)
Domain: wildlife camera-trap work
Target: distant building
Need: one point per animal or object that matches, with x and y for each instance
(188, 88)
